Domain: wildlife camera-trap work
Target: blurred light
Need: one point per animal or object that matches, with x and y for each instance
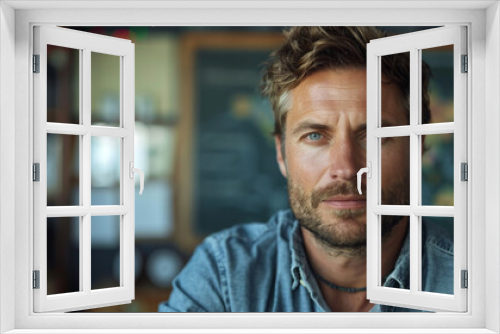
(105, 161)
(121, 33)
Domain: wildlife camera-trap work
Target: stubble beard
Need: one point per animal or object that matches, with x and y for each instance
(343, 231)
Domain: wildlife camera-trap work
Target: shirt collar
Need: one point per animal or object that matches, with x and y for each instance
(400, 277)
(298, 255)
(301, 273)
(300, 270)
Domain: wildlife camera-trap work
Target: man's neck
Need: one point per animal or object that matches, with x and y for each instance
(348, 269)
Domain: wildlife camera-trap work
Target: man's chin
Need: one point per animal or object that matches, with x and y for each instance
(345, 241)
(339, 231)
(343, 216)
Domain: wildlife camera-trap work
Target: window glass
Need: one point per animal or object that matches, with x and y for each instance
(63, 170)
(436, 268)
(105, 170)
(105, 76)
(401, 277)
(395, 93)
(63, 255)
(105, 254)
(440, 62)
(437, 170)
(63, 85)
(395, 170)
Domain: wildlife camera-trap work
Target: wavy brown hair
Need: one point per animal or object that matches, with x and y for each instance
(309, 49)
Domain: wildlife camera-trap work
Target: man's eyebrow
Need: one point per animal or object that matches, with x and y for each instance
(307, 125)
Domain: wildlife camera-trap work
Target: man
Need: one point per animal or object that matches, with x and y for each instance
(314, 257)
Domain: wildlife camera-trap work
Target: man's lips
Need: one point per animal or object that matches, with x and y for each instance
(346, 202)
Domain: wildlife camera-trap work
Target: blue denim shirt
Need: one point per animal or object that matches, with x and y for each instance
(262, 267)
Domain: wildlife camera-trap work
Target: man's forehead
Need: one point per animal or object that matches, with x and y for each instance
(343, 91)
(336, 93)
(344, 84)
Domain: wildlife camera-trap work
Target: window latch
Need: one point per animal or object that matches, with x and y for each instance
(133, 170)
(368, 171)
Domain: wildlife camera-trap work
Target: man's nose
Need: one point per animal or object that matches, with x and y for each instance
(345, 158)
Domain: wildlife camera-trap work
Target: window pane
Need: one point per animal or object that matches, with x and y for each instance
(395, 170)
(105, 103)
(437, 274)
(63, 85)
(395, 98)
(396, 275)
(105, 256)
(63, 255)
(437, 170)
(63, 170)
(105, 170)
(440, 102)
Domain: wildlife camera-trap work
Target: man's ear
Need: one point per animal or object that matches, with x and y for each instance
(279, 157)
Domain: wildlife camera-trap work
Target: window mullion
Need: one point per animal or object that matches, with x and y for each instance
(414, 174)
(422, 210)
(81, 169)
(434, 129)
(66, 211)
(108, 210)
(80, 130)
(421, 129)
(109, 132)
(416, 152)
(85, 236)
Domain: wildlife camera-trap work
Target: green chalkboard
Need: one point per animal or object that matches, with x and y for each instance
(236, 175)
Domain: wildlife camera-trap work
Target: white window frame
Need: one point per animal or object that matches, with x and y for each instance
(414, 44)
(17, 19)
(85, 43)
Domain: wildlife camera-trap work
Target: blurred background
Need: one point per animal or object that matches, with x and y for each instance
(203, 139)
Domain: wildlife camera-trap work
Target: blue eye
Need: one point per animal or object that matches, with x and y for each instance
(314, 136)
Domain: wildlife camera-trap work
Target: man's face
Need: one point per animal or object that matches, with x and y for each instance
(325, 147)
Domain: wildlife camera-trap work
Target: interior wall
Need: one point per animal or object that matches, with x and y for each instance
(22, 165)
(7, 159)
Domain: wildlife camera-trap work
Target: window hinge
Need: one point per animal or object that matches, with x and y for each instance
(465, 64)
(36, 279)
(36, 63)
(465, 279)
(36, 172)
(464, 171)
